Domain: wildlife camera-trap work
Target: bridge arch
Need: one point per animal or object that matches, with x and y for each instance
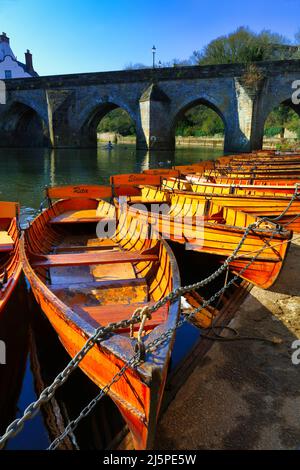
(194, 102)
(284, 115)
(23, 125)
(91, 115)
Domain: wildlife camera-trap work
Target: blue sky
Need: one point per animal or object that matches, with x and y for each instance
(73, 36)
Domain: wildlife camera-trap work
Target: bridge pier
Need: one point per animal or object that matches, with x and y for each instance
(242, 132)
(155, 130)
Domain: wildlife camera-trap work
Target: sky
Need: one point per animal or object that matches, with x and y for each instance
(77, 36)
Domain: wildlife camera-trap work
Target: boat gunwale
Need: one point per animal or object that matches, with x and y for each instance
(222, 227)
(192, 180)
(13, 260)
(84, 328)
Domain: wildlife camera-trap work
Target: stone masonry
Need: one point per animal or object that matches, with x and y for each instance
(65, 110)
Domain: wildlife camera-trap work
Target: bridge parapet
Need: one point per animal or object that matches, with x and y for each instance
(69, 107)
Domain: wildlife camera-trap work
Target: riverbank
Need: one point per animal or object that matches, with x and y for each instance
(211, 142)
(245, 394)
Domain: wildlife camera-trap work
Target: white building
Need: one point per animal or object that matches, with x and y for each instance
(10, 67)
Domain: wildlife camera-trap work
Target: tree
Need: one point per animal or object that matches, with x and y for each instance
(243, 46)
(117, 121)
(136, 66)
(200, 121)
(282, 118)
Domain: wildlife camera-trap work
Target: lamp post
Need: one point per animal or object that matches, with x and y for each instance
(153, 53)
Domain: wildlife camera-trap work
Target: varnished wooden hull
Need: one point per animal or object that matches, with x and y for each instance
(219, 232)
(139, 391)
(10, 265)
(258, 157)
(257, 205)
(240, 178)
(195, 184)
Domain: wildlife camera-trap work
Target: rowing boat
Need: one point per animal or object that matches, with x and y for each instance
(201, 185)
(237, 178)
(10, 266)
(261, 163)
(259, 157)
(267, 205)
(256, 173)
(188, 219)
(81, 282)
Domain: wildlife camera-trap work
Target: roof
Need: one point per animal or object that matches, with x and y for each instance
(33, 73)
(5, 50)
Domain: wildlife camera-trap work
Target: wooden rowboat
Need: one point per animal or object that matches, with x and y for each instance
(259, 169)
(10, 265)
(247, 174)
(201, 185)
(261, 163)
(81, 281)
(237, 178)
(257, 205)
(210, 229)
(260, 156)
(257, 181)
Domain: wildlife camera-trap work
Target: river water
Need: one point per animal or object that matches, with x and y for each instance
(34, 355)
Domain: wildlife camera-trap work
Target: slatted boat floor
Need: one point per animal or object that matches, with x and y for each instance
(93, 291)
(81, 216)
(103, 315)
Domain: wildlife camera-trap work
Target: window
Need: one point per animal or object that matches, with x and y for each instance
(8, 74)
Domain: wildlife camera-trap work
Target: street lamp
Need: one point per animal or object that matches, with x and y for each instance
(153, 53)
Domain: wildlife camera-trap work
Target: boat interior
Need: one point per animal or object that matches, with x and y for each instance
(190, 207)
(92, 275)
(8, 237)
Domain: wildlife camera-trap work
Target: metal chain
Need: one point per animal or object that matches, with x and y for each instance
(17, 425)
(150, 348)
(294, 197)
(87, 409)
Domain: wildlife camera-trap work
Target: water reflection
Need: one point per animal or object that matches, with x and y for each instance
(25, 172)
(35, 355)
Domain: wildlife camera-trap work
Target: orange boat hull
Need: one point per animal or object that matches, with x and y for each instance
(218, 231)
(137, 393)
(9, 260)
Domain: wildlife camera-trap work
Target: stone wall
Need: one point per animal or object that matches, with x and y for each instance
(71, 106)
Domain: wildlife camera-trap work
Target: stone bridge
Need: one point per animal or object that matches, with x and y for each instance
(63, 111)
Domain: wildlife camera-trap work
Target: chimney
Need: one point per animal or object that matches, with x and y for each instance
(4, 38)
(28, 61)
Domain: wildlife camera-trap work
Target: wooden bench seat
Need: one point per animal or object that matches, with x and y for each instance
(6, 242)
(82, 259)
(74, 248)
(105, 314)
(78, 217)
(136, 281)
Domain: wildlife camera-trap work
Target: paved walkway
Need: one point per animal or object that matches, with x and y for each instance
(245, 394)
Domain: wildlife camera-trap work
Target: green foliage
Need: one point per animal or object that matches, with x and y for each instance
(293, 124)
(117, 121)
(282, 118)
(243, 46)
(200, 121)
(240, 46)
(272, 131)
